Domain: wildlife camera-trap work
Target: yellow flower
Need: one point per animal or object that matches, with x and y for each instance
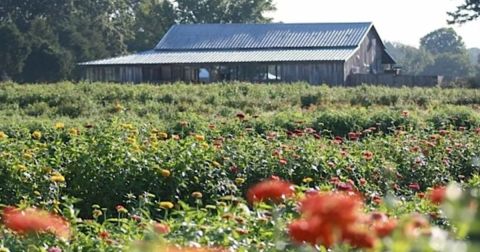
(197, 195)
(239, 181)
(165, 173)
(74, 131)
(59, 125)
(307, 180)
(37, 135)
(166, 205)
(3, 135)
(21, 168)
(216, 164)
(163, 135)
(128, 126)
(57, 178)
(97, 213)
(27, 155)
(118, 107)
(205, 145)
(200, 138)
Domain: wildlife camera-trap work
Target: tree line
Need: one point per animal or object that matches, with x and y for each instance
(42, 40)
(441, 52)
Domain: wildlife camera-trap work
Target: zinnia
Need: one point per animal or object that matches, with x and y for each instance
(437, 195)
(273, 190)
(161, 228)
(35, 221)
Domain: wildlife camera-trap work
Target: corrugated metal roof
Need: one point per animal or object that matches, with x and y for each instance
(263, 36)
(165, 57)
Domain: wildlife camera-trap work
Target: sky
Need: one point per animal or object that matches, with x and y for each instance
(404, 21)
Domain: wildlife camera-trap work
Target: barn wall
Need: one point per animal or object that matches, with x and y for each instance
(314, 73)
(368, 58)
(115, 74)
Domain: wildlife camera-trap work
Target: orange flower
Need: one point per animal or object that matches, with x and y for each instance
(367, 155)
(104, 235)
(312, 231)
(359, 237)
(417, 226)
(271, 189)
(381, 224)
(35, 221)
(161, 228)
(437, 195)
(339, 209)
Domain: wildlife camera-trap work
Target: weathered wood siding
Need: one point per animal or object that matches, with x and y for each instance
(115, 74)
(368, 57)
(314, 73)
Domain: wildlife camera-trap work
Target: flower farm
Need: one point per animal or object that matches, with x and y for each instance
(238, 167)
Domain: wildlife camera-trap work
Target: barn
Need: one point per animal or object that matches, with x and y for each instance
(317, 53)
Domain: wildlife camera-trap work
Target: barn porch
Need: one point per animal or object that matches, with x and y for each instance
(315, 73)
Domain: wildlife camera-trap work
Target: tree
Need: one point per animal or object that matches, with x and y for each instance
(152, 19)
(14, 49)
(223, 11)
(468, 11)
(443, 40)
(47, 63)
(452, 65)
(411, 59)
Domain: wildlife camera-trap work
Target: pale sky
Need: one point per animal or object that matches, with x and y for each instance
(404, 21)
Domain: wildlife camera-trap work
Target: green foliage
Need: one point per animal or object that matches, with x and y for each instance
(443, 40)
(63, 33)
(139, 145)
(13, 51)
(468, 11)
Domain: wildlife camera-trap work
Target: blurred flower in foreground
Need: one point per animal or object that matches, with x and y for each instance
(35, 221)
(270, 190)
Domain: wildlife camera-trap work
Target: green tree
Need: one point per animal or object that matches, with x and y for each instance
(223, 11)
(449, 54)
(411, 59)
(14, 49)
(152, 19)
(468, 11)
(448, 64)
(443, 40)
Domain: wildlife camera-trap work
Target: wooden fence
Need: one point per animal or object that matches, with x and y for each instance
(394, 80)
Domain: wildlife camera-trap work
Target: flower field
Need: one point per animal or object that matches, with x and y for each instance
(240, 167)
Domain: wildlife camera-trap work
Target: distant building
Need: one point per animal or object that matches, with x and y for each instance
(316, 53)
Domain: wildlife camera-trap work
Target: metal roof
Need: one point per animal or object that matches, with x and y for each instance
(263, 36)
(230, 56)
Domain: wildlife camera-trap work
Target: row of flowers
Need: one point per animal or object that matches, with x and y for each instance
(321, 219)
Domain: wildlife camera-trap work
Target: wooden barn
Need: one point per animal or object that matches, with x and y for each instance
(314, 52)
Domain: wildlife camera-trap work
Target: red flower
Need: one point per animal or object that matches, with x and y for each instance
(443, 132)
(359, 237)
(161, 228)
(312, 231)
(437, 195)
(405, 113)
(353, 136)
(104, 235)
(381, 224)
(271, 189)
(363, 181)
(414, 186)
(35, 221)
(121, 209)
(339, 209)
(367, 155)
(342, 186)
(240, 115)
(283, 161)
